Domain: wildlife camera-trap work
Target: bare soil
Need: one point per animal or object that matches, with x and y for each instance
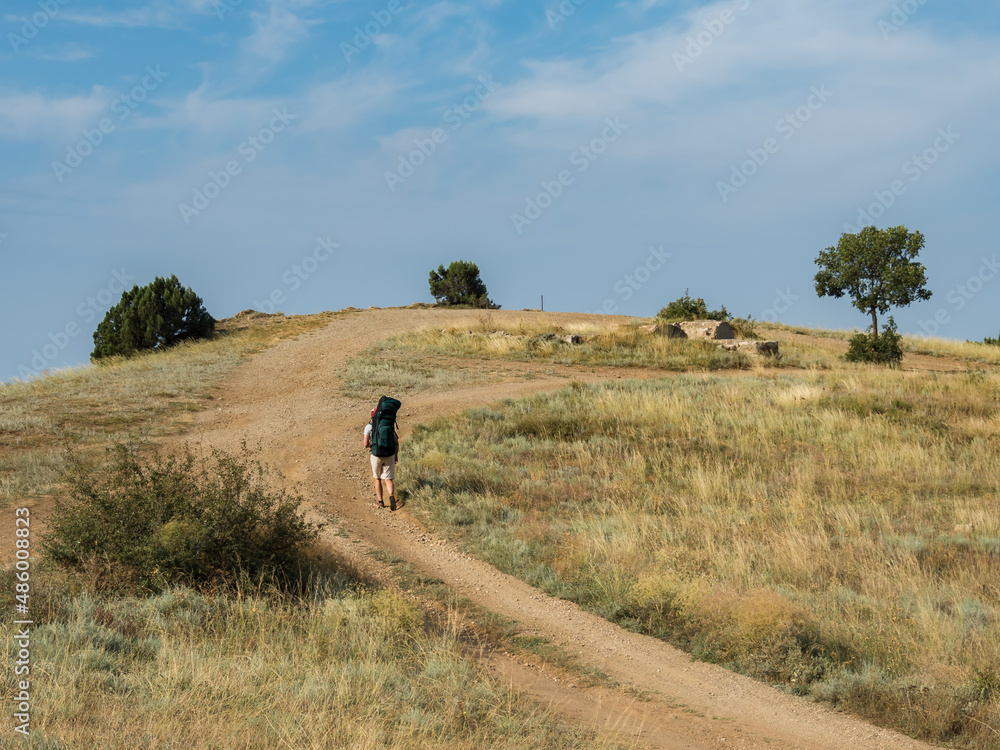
(288, 401)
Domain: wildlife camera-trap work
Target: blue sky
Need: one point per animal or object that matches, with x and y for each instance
(327, 154)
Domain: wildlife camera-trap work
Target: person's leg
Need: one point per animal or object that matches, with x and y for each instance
(390, 478)
(376, 473)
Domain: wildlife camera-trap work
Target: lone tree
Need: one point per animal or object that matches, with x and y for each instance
(155, 316)
(876, 267)
(459, 284)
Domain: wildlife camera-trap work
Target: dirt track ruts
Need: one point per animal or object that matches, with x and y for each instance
(288, 400)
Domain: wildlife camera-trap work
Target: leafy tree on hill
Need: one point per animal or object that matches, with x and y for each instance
(460, 284)
(155, 316)
(876, 267)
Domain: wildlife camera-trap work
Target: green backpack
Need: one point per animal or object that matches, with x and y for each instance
(384, 427)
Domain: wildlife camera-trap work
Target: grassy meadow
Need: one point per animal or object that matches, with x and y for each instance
(968, 351)
(442, 354)
(537, 339)
(836, 533)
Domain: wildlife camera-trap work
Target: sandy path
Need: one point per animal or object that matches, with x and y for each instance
(287, 399)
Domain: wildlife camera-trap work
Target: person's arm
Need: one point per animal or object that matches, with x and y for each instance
(366, 443)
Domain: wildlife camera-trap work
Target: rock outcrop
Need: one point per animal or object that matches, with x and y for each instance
(707, 329)
(670, 330)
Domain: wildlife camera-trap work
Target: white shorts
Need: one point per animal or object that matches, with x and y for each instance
(384, 468)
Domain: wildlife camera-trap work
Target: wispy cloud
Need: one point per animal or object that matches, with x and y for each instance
(65, 53)
(34, 116)
(276, 30)
(160, 15)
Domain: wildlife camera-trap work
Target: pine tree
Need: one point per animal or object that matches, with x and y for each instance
(460, 284)
(152, 317)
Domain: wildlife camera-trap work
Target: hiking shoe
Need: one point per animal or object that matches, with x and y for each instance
(392, 502)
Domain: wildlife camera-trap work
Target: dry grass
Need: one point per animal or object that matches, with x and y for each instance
(340, 668)
(148, 395)
(540, 339)
(967, 351)
(837, 533)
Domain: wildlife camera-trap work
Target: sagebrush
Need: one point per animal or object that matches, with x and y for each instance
(148, 522)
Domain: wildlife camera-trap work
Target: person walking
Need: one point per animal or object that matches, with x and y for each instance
(380, 436)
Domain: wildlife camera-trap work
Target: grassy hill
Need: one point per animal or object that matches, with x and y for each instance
(828, 527)
(342, 663)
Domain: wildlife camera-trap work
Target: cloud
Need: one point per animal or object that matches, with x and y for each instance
(33, 116)
(65, 53)
(159, 15)
(275, 32)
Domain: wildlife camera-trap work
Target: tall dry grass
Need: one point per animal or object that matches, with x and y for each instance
(539, 339)
(967, 351)
(836, 533)
(341, 668)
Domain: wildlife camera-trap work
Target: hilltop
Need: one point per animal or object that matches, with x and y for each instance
(305, 400)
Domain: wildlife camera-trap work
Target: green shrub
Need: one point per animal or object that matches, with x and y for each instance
(992, 342)
(145, 524)
(460, 284)
(745, 328)
(686, 308)
(152, 317)
(883, 348)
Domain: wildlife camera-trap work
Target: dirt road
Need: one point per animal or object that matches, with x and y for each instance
(288, 400)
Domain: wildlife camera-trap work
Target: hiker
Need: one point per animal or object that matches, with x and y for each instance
(384, 444)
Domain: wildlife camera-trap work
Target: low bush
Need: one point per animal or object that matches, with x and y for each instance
(877, 348)
(143, 524)
(686, 308)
